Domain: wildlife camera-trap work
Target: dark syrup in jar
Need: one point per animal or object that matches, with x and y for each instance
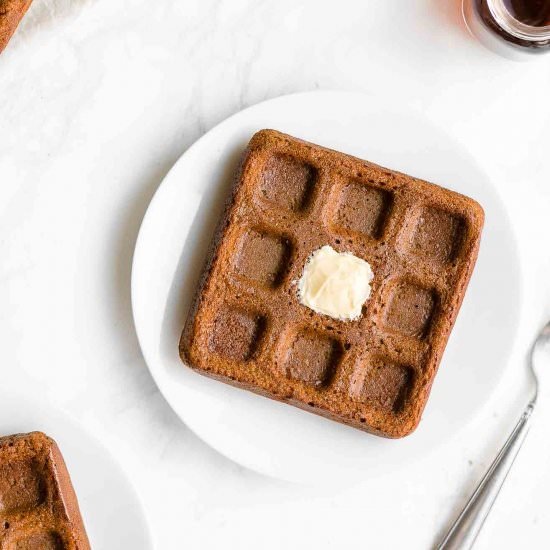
(535, 13)
(531, 12)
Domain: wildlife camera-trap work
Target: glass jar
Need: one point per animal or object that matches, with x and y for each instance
(513, 28)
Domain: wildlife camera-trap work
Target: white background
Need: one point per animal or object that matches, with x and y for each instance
(97, 101)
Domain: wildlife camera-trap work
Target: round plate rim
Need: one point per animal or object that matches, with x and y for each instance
(405, 109)
(59, 413)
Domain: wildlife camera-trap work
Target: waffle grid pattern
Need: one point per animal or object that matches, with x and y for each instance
(292, 199)
(31, 503)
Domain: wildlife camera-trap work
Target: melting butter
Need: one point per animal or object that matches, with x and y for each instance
(335, 283)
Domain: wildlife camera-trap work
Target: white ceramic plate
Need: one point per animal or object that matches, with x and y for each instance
(274, 438)
(110, 508)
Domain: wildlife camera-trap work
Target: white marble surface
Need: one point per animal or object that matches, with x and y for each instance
(100, 97)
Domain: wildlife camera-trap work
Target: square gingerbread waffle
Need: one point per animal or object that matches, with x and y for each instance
(38, 506)
(247, 326)
(11, 13)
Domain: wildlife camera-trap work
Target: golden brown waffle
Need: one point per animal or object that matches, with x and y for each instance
(11, 13)
(38, 506)
(247, 326)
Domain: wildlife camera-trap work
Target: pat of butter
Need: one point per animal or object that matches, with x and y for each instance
(335, 283)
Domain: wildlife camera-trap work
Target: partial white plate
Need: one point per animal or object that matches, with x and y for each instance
(271, 437)
(111, 510)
